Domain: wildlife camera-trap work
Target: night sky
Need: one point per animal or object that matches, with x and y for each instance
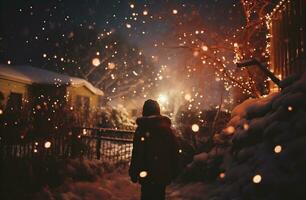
(66, 35)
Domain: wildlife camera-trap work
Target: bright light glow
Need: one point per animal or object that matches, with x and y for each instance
(277, 148)
(257, 178)
(132, 6)
(222, 175)
(195, 128)
(44, 55)
(162, 99)
(187, 97)
(174, 11)
(111, 65)
(128, 25)
(35, 150)
(96, 62)
(290, 108)
(142, 139)
(47, 144)
(1, 112)
(143, 174)
(145, 12)
(180, 151)
(246, 126)
(230, 130)
(195, 53)
(204, 48)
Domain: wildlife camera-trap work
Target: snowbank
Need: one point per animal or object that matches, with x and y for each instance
(262, 149)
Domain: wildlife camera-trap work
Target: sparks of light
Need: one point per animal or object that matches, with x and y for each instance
(174, 11)
(128, 25)
(230, 130)
(162, 99)
(44, 55)
(47, 144)
(187, 97)
(145, 12)
(257, 179)
(245, 126)
(143, 174)
(222, 175)
(96, 62)
(111, 65)
(204, 48)
(195, 128)
(277, 148)
(132, 6)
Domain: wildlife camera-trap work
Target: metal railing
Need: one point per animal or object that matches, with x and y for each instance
(110, 145)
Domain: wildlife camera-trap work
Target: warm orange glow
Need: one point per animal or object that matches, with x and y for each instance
(230, 130)
(96, 62)
(204, 48)
(222, 175)
(143, 174)
(257, 179)
(195, 128)
(174, 11)
(145, 12)
(47, 144)
(111, 65)
(277, 148)
(290, 108)
(187, 97)
(142, 139)
(246, 126)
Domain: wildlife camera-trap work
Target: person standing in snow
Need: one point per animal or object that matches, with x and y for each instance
(154, 161)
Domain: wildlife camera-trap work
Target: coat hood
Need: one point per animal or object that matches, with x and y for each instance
(153, 121)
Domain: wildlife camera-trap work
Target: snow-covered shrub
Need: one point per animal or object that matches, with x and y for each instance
(262, 149)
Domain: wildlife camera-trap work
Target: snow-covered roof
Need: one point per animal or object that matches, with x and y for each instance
(30, 75)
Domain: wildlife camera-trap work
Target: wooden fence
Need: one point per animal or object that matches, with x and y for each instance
(109, 145)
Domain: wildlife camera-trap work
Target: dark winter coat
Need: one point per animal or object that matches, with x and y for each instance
(155, 151)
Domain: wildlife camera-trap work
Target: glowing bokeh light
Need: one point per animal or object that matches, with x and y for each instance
(47, 144)
(96, 62)
(143, 174)
(222, 175)
(277, 148)
(257, 179)
(195, 128)
(162, 99)
(187, 97)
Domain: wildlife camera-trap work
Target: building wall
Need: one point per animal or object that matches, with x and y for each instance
(74, 92)
(8, 86)
(287, 32)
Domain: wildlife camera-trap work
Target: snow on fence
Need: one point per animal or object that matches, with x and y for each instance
(109, 145)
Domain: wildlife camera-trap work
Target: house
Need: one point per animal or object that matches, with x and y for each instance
(21, 85)
(286, 38)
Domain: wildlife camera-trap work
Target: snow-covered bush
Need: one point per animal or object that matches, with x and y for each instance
(262, 149)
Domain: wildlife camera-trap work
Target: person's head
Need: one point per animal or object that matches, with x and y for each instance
(150, 107)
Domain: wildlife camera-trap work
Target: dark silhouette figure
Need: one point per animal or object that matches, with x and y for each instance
(154, 161)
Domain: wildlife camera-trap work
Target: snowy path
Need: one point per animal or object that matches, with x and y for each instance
(117, 186)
